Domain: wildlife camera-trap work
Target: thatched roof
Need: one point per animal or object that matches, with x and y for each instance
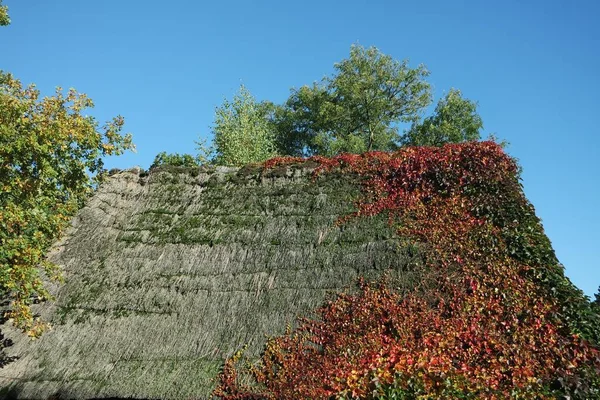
(169, 273)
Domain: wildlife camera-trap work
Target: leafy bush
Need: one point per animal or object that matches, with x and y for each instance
(175, 159)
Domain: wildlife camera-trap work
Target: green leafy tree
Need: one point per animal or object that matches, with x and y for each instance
(4, 19)
(242, 131)
(455, 120)
(301, 120)
(50, 161)
(355, 110)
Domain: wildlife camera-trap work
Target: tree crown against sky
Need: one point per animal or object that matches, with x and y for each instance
(242, 132)
(4, 18)
(361, 107)
(51, 159)
(454, 120)
(357, 109)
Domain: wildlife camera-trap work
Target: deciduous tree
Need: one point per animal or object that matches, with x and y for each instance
(357, 109)
(455, 120)
(242, 131)
(50, 161)
(4, 19)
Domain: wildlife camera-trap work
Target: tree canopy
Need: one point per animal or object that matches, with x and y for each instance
(4, 19)
(242, 133)
(455, 120)
(363, 106)
(355, 110)
(50, 161)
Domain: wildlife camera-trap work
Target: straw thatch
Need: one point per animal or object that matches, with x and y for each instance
(169, 273)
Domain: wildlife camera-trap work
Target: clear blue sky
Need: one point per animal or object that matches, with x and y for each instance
(165, 65)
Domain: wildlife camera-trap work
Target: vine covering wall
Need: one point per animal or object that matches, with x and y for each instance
(493, 316)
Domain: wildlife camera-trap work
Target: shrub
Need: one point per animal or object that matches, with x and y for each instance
(175, 159)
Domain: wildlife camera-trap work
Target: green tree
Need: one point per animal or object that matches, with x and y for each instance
(455, 120)
(50, 161)
(4, 19)
(355, 110)
(301, 120)
(242, 131)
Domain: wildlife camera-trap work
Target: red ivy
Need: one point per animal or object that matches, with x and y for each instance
(481, 329)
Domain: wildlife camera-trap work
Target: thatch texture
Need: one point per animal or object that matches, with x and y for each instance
(167, 274)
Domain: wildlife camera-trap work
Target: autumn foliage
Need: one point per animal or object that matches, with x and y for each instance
(50, 161)
(488, 319)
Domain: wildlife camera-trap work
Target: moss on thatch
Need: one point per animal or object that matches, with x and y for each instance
(169, 273)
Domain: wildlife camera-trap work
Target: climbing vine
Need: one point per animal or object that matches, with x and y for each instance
(493, 316)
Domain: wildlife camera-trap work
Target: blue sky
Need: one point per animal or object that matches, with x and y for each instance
(532, 66)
